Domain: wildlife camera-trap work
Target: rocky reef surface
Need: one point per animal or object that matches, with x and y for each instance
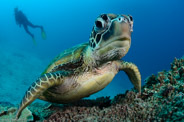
(161, 99)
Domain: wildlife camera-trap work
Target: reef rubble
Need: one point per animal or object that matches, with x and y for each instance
(161, 99)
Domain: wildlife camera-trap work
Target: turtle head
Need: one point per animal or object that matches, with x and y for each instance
(111, 36)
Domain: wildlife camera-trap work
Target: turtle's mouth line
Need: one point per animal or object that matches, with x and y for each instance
(123, 39)
(115, 41)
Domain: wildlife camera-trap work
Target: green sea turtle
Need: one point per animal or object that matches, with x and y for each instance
(87, 68)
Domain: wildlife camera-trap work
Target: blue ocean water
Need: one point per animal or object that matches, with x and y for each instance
(157, 38)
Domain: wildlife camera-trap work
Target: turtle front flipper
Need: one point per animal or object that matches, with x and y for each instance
(38, 87)
(133, 73)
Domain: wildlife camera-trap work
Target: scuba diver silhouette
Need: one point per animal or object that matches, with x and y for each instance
(21, 19)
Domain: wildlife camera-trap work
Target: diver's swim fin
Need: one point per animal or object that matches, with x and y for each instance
(34, 41)
(43, 34)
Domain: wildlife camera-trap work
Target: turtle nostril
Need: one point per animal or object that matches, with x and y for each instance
(98, 24)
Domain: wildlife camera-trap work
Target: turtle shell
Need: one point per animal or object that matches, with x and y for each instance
(69, 59)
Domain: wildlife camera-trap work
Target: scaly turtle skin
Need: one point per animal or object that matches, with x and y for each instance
(88, 68)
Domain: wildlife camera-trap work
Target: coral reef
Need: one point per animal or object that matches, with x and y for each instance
(161, 99)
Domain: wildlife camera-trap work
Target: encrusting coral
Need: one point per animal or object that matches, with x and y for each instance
(162, 99)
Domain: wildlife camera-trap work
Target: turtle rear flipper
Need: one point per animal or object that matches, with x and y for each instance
(38, 87)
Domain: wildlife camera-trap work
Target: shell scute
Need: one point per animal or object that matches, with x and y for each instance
(67, 58)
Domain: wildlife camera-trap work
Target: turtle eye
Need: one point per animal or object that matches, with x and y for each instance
(131, 18)
(98, 24)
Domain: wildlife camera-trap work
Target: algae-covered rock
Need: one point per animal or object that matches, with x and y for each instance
(41, 110)
(8, 114)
